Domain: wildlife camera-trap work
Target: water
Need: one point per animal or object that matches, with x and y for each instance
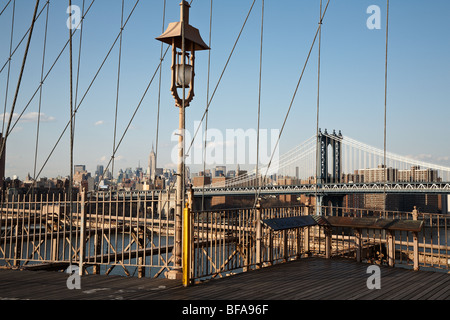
(110, 245)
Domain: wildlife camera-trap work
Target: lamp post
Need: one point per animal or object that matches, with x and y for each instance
(181, 35)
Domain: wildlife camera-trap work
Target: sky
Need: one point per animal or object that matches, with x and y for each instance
(352, 78)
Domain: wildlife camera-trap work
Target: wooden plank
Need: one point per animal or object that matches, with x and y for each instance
(309, 278)
(393, 280)
(289, 223)
(426, 287)
(375, 223)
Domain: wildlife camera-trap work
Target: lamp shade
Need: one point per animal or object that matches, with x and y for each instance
(184, 75)
(173, 33)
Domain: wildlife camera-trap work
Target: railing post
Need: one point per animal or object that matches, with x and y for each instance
(140, 260)
(82, 233)
(258, 234)
(270, 247)
(416, 241)
(186, 246)
(306, 247)
(391, 248)
(17, 248)
(140, 242)
(328, 234)
(55, 211)
(358, 244)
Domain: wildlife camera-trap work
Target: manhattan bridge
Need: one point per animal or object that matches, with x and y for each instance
(169, 232)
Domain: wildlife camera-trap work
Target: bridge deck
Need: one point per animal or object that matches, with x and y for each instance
(311, 278)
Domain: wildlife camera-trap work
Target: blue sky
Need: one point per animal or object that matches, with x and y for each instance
(352, 78)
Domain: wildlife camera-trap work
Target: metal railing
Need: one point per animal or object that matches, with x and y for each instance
(134, 234)
(433, 240)
(228, 241)
(101, 232)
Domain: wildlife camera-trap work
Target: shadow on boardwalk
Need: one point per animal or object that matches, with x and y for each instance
(305, 279)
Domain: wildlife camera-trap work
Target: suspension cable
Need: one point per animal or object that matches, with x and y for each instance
(258, 184)
(159, 87)
(90, 85)
(21, 40)
(49, 71)
(71, 130)
(19, 80)
(9, 63)
(4, 8)
(296, 90)
(220, 78)
(135, 111)
(385, 102)
(78, 66)
(318, 103)
(118, 86)
(207, 99)
(40, 95)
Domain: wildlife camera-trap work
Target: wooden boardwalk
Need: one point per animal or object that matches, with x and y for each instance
(305, 279)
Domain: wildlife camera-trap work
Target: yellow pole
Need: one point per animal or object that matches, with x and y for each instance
(186, 246)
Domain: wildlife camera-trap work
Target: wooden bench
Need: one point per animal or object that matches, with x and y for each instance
(355, 223)
(370, 223)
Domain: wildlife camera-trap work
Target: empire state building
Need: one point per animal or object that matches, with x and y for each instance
(151, 170)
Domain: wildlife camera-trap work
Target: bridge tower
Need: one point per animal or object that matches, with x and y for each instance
(329, 166)
(326, 174)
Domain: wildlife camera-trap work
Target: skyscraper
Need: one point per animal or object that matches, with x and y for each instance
(100, 169)
(151, 171)
(79, 168)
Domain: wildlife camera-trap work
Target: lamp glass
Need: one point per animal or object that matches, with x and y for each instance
(184, 75)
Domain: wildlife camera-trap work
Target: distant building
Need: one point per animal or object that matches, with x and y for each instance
(383, 174)
(99, 171)
(380, 174)
(201, 180)
(231, 174)
(151, 170)
(220, 171)
(79, 168)
(398, 202)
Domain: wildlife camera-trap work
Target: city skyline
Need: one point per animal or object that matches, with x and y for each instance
(351, 92)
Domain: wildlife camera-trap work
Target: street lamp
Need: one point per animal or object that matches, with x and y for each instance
(181, 36)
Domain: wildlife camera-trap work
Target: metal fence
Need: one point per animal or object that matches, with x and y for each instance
(227, 241)
(131, 231)
(231, 241)
(133, 234)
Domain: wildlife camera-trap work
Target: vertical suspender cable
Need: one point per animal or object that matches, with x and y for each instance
(296, 90)
(40, 95)
(78, 67)
(258, 184)
(19, 80)
(118, 86)
(318, 104)
(71, 133)
(9, 63)
(159, 89)
(207, 100)
(385, 103)
(221, 75)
